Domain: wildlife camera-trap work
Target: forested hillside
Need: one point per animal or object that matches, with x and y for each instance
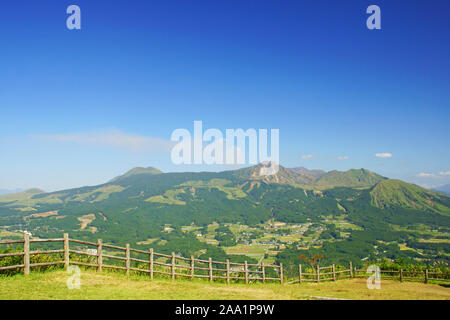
(354, 216)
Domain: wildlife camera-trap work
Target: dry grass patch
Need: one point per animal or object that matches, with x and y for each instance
(42, 215)
(86, 220)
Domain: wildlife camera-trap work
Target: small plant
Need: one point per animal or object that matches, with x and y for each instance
(313, 261)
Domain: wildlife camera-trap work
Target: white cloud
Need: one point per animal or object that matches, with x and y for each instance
(110, 138)
(340, 158)
(383, 155)
(441, 175)
(427, 186)
(426, 175)
(306, 156)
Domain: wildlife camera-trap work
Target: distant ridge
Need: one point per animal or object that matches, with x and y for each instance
(313, 179)
(359, 178)
(313, 173)
(444, 189)
(135, 171)
(27, 194)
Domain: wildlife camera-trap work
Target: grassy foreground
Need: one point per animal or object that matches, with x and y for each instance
(52, 285)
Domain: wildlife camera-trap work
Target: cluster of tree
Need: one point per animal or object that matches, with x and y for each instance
(225, 237)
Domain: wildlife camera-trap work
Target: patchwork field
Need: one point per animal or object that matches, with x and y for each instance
(253, 251)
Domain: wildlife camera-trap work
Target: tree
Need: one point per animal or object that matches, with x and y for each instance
(313, 261)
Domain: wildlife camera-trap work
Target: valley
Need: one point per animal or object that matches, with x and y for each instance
(356, 216)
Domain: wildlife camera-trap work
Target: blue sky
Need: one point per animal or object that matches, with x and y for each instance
(79, 107)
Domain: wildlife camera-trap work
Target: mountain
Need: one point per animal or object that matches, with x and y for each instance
(135, 171)
(312, 179)
(444, 189)
(350, 215)
(17, 196)
(395, 193)
(283, 176)
(313, 174)
(354, 178)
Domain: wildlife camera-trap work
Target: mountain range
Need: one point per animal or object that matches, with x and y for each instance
(360, 209)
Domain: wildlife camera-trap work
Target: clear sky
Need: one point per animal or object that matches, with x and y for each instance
(79, 107)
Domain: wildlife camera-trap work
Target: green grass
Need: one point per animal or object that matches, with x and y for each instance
(111, 285)
(98, 194)
(10, 235)
(27, 194)
(255, 251)
(169, 197)
(232, 193)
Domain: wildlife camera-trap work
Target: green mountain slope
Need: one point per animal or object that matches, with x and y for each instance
(395, 193)
(344, 214)
(356, 178)
(27, 194)
(313, 174)
(135, 171)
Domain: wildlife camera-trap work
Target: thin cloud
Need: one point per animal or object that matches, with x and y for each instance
(341, 158)
(427, 185)
(426, 175)
(384, 155)
(441, 175)
(306, 156)
(111, 138)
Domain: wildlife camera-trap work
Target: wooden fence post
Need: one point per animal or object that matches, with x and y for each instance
(401, 275)
(228, 271)
(127, 256)
(99, 255)
(318, 274)
(26, 256)
(300, 273)
(351, 270)
(192, 267)
(172, 266)
(281, 273)
(354, 272)
(151, 263)
(426, 275)
(66, 250)
(334, 273)
(263, 267)
(210, 270)
(246, 271)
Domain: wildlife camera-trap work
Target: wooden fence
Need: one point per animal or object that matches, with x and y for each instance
(176, 266)
(402, 275)
(331, 274)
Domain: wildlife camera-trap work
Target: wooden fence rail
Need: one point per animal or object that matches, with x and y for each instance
(319, 276)
(154, 263)
(176, 266)
(402, 275)
(351, 272)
